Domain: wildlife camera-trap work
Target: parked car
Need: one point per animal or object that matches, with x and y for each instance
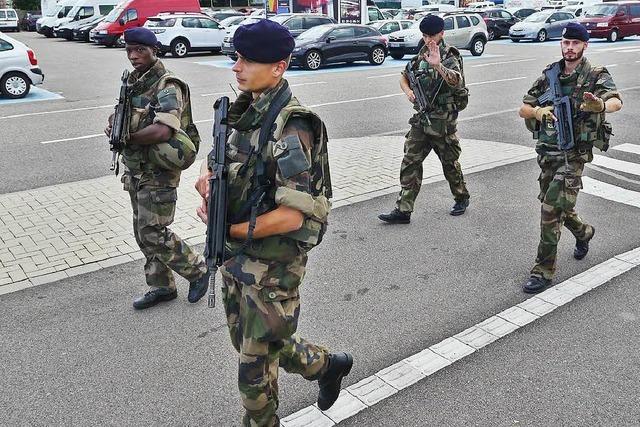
(480, 5)
(18, 68)
(298, 23)
(232, 20)
(463, 30)
(434, 8)
(391, 12)
(391, 26)
(334, 43)
(28, 21)
(45, 24)
(9, 20)
(521, 12)
(541, 26)
(612, 21)
(219, 15)
(184, 32)
(576, 10)
(134, 13)
(81, 33)
(83, 10)
(498, 22)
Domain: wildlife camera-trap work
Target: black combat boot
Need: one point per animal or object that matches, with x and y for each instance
(154, 297)
(198, 288)
(396, 217)
(582, 246)
(535, 285)
(339, 367)
(459, 208)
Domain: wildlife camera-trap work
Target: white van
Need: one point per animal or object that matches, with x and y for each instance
(84, 10)
(45, 24)
(9, 20)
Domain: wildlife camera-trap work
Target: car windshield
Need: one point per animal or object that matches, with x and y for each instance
(54, 11)
(114, 14)
(313, 33)
(602, 10)
(280, 18)
(232, 20)
(537, 17)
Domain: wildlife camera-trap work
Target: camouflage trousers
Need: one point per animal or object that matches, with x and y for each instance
(560, 183)
(262, 306)
(153, 211)
(417, 147)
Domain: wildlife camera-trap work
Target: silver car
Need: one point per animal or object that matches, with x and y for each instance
(461, 29)
(541, 26)
(18, 68)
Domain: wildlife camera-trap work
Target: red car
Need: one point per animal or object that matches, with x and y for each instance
(612, 21)
(134, 13)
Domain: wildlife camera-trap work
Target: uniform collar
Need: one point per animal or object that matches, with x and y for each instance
(246, 113)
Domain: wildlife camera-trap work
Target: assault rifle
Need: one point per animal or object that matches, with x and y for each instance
(217, 206)
(425, 102)
(561, 108)
(120, 125)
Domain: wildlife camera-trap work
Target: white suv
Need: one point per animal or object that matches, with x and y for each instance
(18, 68)
(181, 33)
(9, 20)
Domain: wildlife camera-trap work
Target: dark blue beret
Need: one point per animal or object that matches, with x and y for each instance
(265, 41)
(575, 31)
(431, 25)
(140, 35)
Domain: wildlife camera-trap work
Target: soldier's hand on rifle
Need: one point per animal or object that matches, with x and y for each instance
(202, 187)
(107, 130)
(545, 113)
(433, 55)
(411, 95)
(592, 104)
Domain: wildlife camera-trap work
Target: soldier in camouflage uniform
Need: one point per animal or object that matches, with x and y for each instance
(443, 75)
(266, 266)
(593, 94)
(162, 142)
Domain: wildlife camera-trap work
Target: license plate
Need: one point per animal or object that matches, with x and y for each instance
(394, 44)
(226, 44)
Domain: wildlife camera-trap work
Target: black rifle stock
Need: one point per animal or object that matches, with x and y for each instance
(217, 206)
(561, 108)
(120, 124)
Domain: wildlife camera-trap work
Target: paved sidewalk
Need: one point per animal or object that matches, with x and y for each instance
(50, 233)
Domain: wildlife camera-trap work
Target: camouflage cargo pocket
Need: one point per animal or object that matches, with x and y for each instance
(161, 206)
(126, 182)
(284, 308)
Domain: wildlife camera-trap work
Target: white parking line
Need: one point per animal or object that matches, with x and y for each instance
(496, 81)
(628, 148)
(348, 101)
(384, 75)
(504, 62)
(388, 381)
(216, 93)
(77, 138)
(14, 116)
(611, 65)
(615, 164)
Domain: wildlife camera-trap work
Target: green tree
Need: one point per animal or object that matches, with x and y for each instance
(26, 4)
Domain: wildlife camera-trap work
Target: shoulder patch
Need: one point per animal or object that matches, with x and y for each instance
(290, 156)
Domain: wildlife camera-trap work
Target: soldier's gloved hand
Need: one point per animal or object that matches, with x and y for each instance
(545, 113)
(592, 104)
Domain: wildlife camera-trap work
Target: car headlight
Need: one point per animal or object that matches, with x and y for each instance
(602, 24)
(104, 32)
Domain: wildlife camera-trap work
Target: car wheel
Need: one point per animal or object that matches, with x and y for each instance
(312, 60)
(491, 34)
(179, 48)
(477, 47)
(613, 36)
(15, 85)
(49, 34)
(397, 55)
(377, 56)
(542, 36)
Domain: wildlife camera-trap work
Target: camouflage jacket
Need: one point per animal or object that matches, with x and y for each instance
(290, 171)
(157, 96)
(589, 129)
(444, 118)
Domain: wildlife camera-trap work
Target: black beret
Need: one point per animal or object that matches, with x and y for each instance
(575, 31)
(140, 35)
(431, 25)
(265, 41)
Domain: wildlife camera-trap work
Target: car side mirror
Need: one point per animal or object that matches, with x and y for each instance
(620, 13)
(121, 21)
(60, 15)
(330, 39)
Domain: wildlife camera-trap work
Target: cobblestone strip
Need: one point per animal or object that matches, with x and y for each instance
(50, 233)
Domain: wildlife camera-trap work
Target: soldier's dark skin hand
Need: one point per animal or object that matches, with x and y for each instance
(107, 130)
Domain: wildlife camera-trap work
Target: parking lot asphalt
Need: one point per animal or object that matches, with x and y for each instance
(62, 139)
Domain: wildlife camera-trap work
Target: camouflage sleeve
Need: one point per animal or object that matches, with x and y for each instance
(414, 60)
(170, 106)
(535, 92)
(451, 71)
(605, 88)
(293, 155)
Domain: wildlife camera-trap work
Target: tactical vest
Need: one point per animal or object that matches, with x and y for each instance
(244, 180)
(448, 99)
(590, 129)
(176, 154)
